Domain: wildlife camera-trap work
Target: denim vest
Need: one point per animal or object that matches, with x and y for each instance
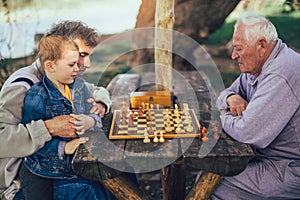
(44, 101)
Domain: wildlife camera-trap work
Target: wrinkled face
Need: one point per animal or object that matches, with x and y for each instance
(247, 55)
(66, 69)
(85, 53)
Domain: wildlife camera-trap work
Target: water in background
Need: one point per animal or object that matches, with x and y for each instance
(22, 23)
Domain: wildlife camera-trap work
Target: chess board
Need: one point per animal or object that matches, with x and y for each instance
(132, 124)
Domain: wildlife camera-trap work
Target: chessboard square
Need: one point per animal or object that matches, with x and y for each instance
(131, 128)
(140, 131)
(159, 120)
(142, 120)
(160, 125)
(122, 132)
(123, 126)
(142, 126)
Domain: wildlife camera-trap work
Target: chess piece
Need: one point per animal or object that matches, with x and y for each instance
(151, 106)
(150, 129)
(123, 120)
(176, 106)
(215, 130)
(176, 111)
(189, 128)
(149, 116)
(157, 106)
(168, 127)
(147, 106)
(185, 106)
(168, 119)
(185, 110)
(141, 111)
(177, 120)
(146, 137)
(132, 115)
(204, 134)
(130, 123)
(178, 130)
(155, 137)
(161, 139)
(188, 120)
(123, 104)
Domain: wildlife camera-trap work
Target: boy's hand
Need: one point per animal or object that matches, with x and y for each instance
(82, 123)
(72, 145)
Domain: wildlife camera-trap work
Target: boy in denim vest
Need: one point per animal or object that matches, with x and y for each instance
(60, 92)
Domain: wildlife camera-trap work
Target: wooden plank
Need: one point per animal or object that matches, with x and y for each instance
(204, 187)
(164, 22)
(226, 157)
(99, 158)
(123, 188)
(145, 157)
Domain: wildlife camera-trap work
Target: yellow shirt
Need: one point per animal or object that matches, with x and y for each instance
(67, 93)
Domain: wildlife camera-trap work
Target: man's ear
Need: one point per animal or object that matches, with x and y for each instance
(263, 43)
(262, 46)
(49, 66)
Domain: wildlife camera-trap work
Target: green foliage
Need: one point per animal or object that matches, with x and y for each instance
(222, 35)
(287, 27)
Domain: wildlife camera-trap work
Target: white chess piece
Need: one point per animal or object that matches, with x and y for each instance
(161, 139)
(146, 139)
(155, 137)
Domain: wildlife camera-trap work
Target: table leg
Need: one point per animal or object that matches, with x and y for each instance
(123, 188)
(173, 181)
(204, 187)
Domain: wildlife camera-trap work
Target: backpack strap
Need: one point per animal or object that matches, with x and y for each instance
(22, 79)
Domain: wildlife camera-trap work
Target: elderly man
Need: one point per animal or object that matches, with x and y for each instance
(262, 108)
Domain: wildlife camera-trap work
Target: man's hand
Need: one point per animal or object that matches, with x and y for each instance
(98, 108)
(61, 126)
(72, 145)
(236, 104)
(82, 123)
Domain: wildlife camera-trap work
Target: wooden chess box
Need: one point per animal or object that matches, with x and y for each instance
(162, 98)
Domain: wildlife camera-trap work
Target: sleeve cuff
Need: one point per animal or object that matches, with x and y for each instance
(102, 95)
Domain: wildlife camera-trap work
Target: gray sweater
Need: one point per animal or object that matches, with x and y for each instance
(270, 124)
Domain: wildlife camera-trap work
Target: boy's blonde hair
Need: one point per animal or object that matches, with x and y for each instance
(52, 47)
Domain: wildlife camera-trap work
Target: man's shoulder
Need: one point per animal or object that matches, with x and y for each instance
(25, 76)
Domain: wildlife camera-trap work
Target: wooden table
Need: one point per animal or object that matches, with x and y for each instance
(99, 158)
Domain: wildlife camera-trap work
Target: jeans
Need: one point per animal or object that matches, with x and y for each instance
(37, 188)
(78, 189)
(19, 195)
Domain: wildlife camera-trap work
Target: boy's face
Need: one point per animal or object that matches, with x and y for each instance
(66, 68)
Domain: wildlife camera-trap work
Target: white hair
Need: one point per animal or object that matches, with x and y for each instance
(257, 27)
